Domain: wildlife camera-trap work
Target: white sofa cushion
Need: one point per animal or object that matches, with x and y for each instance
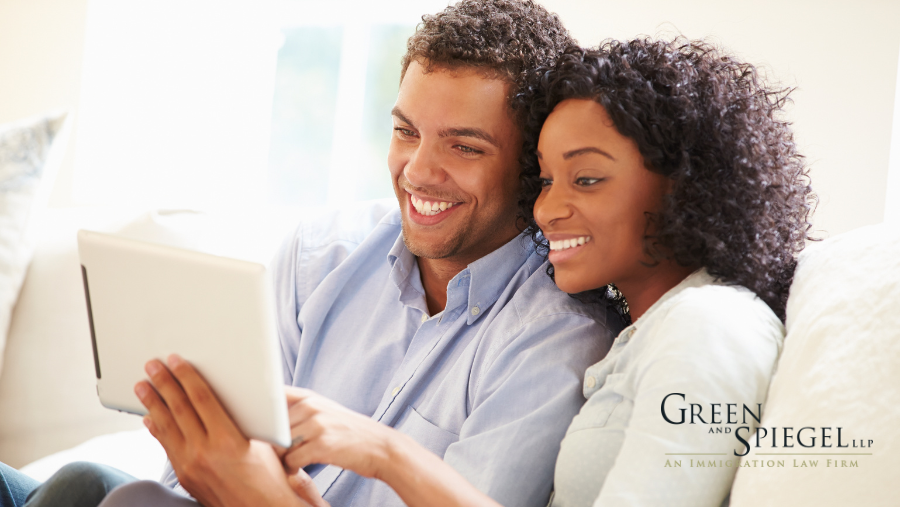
(840, 367)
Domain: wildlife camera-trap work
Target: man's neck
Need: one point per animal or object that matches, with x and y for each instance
(436, 274)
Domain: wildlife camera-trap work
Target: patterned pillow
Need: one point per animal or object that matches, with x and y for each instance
(25, 175)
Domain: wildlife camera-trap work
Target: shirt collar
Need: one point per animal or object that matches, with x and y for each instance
(403, 266)
(485, 279)
(490, 275)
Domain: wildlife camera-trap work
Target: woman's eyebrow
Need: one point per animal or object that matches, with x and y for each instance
(584, 151)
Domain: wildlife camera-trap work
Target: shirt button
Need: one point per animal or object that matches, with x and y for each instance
(395, 391)
(424, 317)
(590, 382)
(475, 310)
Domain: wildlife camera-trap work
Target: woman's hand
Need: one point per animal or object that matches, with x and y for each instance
(213, 460)
(334, 435)
(326, 432)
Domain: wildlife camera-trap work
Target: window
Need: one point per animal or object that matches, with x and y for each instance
(204, 103)
(331, 125)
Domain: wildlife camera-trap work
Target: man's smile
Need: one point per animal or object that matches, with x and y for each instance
(430, 211)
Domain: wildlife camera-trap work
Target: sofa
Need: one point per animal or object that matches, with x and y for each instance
(839, 366)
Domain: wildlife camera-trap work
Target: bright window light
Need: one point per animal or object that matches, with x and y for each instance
(212, 103)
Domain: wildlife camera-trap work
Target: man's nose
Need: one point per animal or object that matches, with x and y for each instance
(551, 205)
(424, 167)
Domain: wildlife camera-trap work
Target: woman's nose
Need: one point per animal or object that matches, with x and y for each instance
(551, 205)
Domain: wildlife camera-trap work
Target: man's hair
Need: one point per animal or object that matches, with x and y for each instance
(741, 200)
(504, 39)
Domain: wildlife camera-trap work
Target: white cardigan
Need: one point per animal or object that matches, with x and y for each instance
(706, 342)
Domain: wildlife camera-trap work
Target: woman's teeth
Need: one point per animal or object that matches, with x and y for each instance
(563, 244)
(428, 208)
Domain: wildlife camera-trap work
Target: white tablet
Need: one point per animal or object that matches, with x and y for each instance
(147, 301)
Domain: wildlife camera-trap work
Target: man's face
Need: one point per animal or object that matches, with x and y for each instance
(454, 151)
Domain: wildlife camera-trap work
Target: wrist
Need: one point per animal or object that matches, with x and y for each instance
(392, 455)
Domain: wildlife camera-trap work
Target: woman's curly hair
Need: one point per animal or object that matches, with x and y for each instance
(741, 198)
(505, 39)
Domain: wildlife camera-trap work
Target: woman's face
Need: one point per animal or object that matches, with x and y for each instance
(595, 199)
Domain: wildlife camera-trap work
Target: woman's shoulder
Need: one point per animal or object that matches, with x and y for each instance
(711, 311)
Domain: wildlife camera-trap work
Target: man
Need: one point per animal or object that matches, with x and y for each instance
(437, 318)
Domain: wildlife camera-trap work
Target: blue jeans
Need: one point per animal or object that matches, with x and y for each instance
(77, 484)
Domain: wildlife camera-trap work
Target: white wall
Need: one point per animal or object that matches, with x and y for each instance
(892, 206)
(41, 43)
(842, 56)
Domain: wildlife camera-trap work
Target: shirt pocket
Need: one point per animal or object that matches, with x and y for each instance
(596, 411)
(430, 436)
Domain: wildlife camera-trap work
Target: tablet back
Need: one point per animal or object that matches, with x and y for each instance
(148, 301)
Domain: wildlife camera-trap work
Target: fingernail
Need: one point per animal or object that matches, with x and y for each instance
(153, 367)
(147, 421)
(175, 360)
(141, 390)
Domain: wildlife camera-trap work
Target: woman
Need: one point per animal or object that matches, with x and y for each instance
(664, 184)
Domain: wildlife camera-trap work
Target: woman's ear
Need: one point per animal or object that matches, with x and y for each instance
(670, 185)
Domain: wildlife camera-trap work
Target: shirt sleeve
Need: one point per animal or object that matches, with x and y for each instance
(522, 403)
(714, 350)
(284, 271)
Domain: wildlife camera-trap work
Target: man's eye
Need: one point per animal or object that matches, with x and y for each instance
(586, 182)
(545, 182)
(405, 132)
(467, 149)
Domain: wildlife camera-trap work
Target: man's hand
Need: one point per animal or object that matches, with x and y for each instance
(326, 432)
(213, 460)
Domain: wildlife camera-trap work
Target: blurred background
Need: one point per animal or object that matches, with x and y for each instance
(207, 104)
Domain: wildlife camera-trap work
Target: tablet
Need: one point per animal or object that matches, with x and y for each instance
(147, 301)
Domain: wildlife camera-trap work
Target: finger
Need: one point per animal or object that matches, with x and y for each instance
(158, 420)
(207, 405)
(300, 457)
(176, 400)
(300, 412)
(304, 452)
(306, 489)
(297, 394)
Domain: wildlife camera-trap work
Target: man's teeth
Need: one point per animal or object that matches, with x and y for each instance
(429, 208)
(563, 244)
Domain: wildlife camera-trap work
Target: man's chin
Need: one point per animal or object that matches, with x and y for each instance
(428, 248)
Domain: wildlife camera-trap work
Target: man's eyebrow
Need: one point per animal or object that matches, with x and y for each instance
(396, 112)
(584, 151)
(469, 132)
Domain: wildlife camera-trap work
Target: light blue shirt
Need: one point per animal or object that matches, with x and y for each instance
(490, 384)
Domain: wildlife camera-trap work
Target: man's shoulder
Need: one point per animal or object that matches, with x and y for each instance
(325, 240)
(350, 225)
(539, 298)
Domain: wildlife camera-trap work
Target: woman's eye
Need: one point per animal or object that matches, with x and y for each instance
(586, 182)
(545, 182)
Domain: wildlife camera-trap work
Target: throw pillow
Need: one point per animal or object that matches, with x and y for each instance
(25, 177)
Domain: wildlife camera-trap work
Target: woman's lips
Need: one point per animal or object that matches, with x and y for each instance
(563, 248)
